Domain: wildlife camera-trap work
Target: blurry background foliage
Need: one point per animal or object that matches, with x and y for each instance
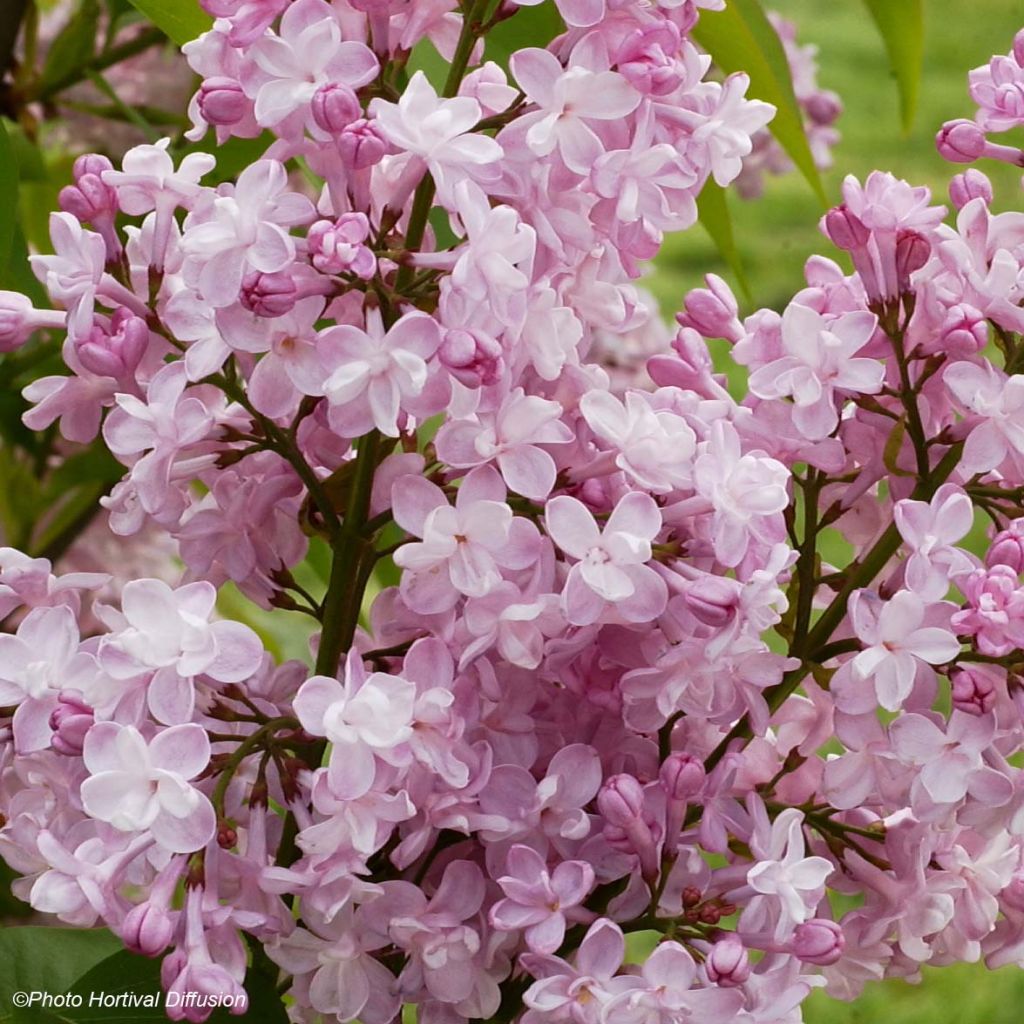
(99, 75)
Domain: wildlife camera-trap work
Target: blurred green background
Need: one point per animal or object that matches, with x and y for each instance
(776, 233)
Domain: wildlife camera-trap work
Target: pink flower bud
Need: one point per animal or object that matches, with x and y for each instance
(964, 332)
(361, 145)
(472, 357)
(912, 252)
(222, 101)
(90, 163)
(15, 320)
(1018, 48)
(712, 600)
(845, 229)
(269, 295)
(973, 690)
(1008, 547)
(621, 801)
(960, 141)
(970, 185)
(681, 776)
(70, 720)
(712, 311)
(823, 108)
(335, 106)
(728, 964)
(147, 929)
(115, 351)
(818, 942)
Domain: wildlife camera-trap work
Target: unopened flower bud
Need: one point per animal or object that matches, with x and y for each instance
(712, 311)
(973, 690)
(970, 185)
(1007, 547)
(115, 351)
(960, 141)
(334, 107)
(691, 897)
(70, 720)
(818, 942)
(712, 600)
(1018, 48)
(912, 252)
(728, 964)
(147, 929)
(269, 295)
(361, 145)
(222, 101)
(824, 107)
(472, 357)
(964, 332)
(681, 776)
(845, 229)
(621, 800)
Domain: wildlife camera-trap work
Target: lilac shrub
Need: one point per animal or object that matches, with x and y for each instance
(592, 657)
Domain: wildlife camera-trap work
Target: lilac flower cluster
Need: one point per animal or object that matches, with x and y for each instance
(592, 659)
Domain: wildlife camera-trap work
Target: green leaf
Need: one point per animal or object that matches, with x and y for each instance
(47, 960)
(75, 44)
(713, 210)
(529, 26)
(9, 192)
(901, 24)
(27, 156)
(741, 38)
(181, 20)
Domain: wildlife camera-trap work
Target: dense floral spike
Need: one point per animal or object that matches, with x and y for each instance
(581, 629)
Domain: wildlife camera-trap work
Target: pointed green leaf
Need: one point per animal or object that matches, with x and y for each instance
(9, 202)
(75, 44)
(901, 24)
(181, 20)
(713, 210)
(741, 38)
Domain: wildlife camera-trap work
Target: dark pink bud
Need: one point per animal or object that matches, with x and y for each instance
(964, 332)
(1008, 547)
(90, 163)
(824, 107)
(1018, 48)
(912, 252)
(361, 145)
(335, 106)
(819, 942)
(728, 964)
(147, 929)
(845, 229)
(681, 776)
(70, 720)
(621, 801)
(712, 311)
(89, 200)
(973, 690)
(222, 101)
(712, 600)
(970, 185)
(269, 295)
(961, 141)
(117, 350)
(472, 357)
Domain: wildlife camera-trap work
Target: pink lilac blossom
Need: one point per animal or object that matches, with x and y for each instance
(579, 652)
